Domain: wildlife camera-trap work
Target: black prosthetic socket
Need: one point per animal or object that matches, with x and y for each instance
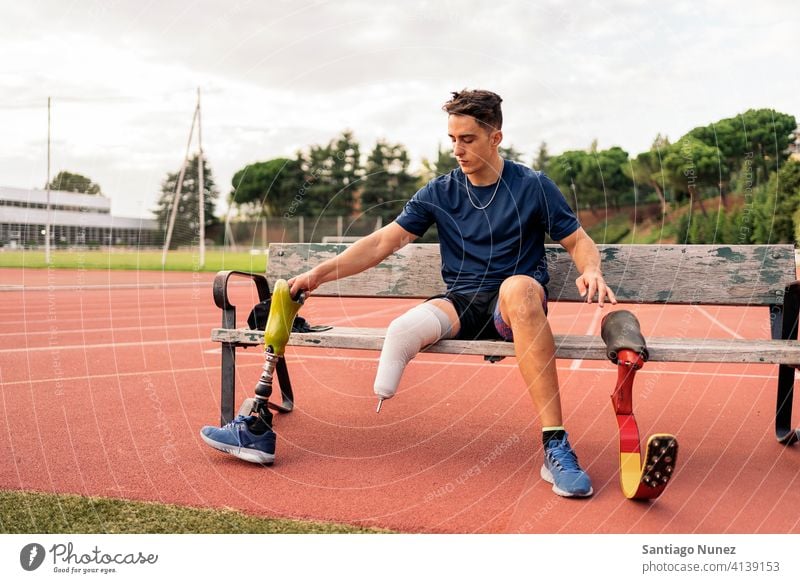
(263, 390)
(263, 422)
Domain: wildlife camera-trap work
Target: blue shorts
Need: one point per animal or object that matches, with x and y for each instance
(479, 315)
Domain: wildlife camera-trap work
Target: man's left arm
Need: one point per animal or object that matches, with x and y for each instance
(587, 259)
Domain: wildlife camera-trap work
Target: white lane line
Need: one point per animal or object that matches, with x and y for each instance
(105, 286)
(346, 319)
(106, 345)
(115, 330)
(591, 331)
(120, 374)
(718, 323)
(314, 317)
(42, 316)
(439, 363)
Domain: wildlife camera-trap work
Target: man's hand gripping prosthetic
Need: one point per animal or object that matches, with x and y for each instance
(282, 312)
(640, 479)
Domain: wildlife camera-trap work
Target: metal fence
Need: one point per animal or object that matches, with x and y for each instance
(255, 234)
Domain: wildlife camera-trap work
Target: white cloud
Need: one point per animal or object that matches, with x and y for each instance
(278, 76)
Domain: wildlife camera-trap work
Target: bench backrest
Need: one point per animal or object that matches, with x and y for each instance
(652, 274)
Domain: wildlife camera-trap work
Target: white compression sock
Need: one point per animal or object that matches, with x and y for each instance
(406, 336)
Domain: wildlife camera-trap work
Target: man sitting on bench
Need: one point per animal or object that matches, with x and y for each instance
(492, 216)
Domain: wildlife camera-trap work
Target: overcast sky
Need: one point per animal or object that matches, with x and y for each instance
(279, 75)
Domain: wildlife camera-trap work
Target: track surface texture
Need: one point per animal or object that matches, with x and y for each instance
(108, 376)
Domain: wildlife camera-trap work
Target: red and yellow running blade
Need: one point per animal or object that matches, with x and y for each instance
(645, 479)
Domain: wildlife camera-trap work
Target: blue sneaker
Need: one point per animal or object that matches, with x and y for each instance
(562, 470)
(236, 439)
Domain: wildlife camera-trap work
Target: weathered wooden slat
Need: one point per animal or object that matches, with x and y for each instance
(567, 346)
(747, 275)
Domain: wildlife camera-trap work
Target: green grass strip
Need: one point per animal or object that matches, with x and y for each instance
(148, 260)
(34, 512)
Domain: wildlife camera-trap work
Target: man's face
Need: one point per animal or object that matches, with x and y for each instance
(474, 144)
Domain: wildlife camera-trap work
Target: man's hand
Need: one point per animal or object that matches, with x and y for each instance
(591, 282)
(307, 282)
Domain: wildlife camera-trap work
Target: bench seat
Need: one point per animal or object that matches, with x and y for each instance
(714, 275)
(721, 350)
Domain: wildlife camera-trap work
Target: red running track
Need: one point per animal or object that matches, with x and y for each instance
(107, 377)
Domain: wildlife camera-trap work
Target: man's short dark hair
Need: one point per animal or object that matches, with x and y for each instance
(484, 106)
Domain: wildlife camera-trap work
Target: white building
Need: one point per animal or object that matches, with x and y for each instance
(76, 219)
(794, 144)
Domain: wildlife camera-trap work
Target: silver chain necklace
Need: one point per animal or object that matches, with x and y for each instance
(469, 194)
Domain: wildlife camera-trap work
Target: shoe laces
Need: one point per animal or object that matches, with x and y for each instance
(562, 454)
(236, 427)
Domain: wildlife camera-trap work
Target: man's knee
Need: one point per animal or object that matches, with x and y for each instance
(521, 297)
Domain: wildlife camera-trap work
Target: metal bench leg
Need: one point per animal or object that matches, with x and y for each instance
(222, 301)
(784, 327)
(228, 384)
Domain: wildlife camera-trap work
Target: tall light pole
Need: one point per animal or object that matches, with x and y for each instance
(201, 185)
(47, 225)
(179, 189)
(178, 192)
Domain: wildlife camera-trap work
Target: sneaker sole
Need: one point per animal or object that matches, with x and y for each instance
(249, 455)
(547, 476)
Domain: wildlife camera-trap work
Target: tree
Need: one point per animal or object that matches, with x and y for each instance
(602, 178)
(646, 169)
(267, 188)
(387, 183)
(693, 169)
(776, 206)
(758, 134)
(566, 170)
(331, 175)
(445, 163)
(591, 179)
(768, 134)
(510, 153)
(542, 159)
(187, 221)
(69, 182)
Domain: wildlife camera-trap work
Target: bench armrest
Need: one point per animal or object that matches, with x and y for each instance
(222, 300)
(786, 329)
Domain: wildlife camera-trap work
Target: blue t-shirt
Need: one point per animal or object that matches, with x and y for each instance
(482, 248)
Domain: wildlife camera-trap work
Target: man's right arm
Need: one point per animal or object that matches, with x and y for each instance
(361, 255)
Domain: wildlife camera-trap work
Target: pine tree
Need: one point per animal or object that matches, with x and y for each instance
(387, 184)
(187, 221)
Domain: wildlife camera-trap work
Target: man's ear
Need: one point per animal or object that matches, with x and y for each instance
(497, 138)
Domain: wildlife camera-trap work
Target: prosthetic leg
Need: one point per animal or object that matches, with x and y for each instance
(640, 479)
(282, 312)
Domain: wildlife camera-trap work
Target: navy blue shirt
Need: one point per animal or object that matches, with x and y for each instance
(482, 248)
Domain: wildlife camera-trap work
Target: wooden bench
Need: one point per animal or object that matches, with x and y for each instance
(762, 275)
